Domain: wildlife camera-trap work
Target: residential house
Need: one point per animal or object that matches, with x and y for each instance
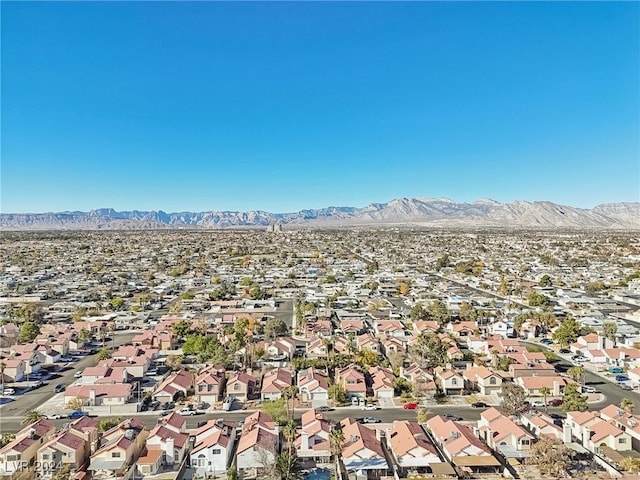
(177, 385)
(352, 380)
(23, 449)
(119, 449)
(461, 447)
(14, 369)
(382, 380)
(541, 424)
(210, 385)
(534, 385)
(274, 382)
(259, 443)
(212, 447)
(317, 347)
(171, 437)
(420, 378)
(312, 439)
(242, 386)
(362, 450)
(503, 435)
(450, 382)
(411, 447)
(598, 435)
(313, 386)
(482, 379)
(100, 395)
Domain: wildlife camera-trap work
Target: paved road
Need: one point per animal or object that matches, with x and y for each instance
(33, 399)
(12, 424)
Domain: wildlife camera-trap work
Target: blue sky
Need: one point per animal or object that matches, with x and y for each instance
(283, 106)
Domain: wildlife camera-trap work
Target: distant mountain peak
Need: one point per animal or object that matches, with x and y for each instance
(442, 212)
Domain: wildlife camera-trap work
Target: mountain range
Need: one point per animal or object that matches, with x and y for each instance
(418, 211)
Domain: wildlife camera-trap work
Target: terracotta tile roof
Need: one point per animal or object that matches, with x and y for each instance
(407, 436)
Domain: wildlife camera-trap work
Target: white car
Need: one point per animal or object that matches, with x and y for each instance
(9, 391)
(538, 403)
(186, 412)
(54, 416)
(589, 390)
(369, 407)
(77, 374)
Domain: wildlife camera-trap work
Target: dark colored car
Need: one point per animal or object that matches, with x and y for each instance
(449, 416)
(621, 378)
(546, 341)
(324, 408)
(556, 402)
(565, 350)
(371, 420)
(59, 388)
(479, 405)
(77, 414)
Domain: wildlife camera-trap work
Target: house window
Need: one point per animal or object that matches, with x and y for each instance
(115, 454)
(622, 440)
(454, 381)
(201, 460)
(216, 451)
(236, 386)
(492, 381)
(45, 456)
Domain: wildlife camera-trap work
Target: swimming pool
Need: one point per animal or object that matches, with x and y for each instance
(318, 474)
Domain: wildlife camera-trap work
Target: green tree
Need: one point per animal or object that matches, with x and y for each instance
(567, 333)
(513, 398)
(551, 457)
(536, 299)
(576, 373)
(83, 336)
(30, 417)
(418, 313)
(438, 311)
(223, 291)
(28, 332)
(467, 313)
(545, 281)
(630, 465)
(288, 466)
(545, 393)
(277, 409)
(103, 354)
(3, 366)
(367, 358)
(117, 303)
(107, 424)
(572, 401)
(181, 329)
(6, 438)
(627, 405)
(275, 327)
(422, 415)
(610, 330)
(336, 440)
(337, 394)
(401, 386)
(442, 262)
(429, 350)
(174, 362)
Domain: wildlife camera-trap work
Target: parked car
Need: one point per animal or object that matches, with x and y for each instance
(67, 359)
(77, 414)
(371, 420)
(59, 388)
(539, 403)
(565, 350)
(410, 406)
(616, 370)
(479, 405)
(450, 416)
(186, 411)
(556, 402)
(621, 378)
(586, 389)
(78, 374)
(8, 391)
(38, 384)
(369, 407)
(54, 416)
(624, 386)
(546, 341)
(324, 408)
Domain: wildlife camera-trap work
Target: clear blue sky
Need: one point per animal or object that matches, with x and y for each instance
(283, 106)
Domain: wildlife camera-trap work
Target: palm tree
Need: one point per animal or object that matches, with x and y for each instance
(290, 393)
(31, 416)
(2, 367)
(627, 405)
(336, 441)
(545, 391)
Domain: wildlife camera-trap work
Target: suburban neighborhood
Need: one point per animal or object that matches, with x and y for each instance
(350, 355)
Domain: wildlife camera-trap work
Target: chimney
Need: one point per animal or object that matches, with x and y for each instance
(170, 451)
(566, 432)
(95, 445)
(92, 397)
(556, 388)
(304, 441)
(378, 434)
(586, 436)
